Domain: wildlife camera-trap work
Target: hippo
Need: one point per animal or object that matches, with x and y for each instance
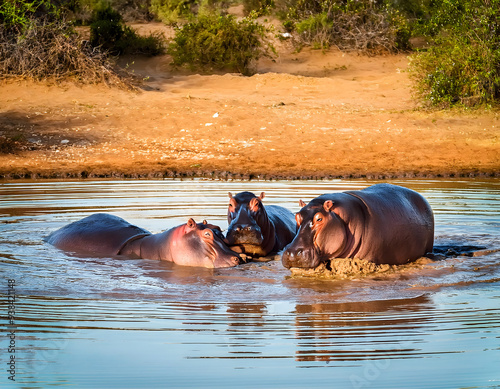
(384, 224)
(257, 230)
(190, 244)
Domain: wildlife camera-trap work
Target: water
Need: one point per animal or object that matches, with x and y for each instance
(86, 322)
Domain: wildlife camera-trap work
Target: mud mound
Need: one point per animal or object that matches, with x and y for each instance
(342, 268)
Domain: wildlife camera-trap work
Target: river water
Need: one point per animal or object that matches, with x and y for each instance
(111, 323)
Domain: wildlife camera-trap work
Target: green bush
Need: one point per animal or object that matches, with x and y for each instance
(133, 44)
(174, 11)
(220, 42)
(17, 15)
(316, 31)
(130, 10)
(260, 7)
(170, 11)
(463, 63)
(108, 31)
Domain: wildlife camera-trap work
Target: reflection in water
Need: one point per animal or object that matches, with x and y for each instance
(191, 342)
(105, 322)
(327, 332)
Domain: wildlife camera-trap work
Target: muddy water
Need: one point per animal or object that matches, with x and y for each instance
(105, 322)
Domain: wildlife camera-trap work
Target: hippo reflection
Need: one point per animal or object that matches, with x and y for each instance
(384, 224)
(190, 244)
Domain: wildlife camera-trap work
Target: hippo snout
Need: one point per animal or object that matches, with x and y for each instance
(227, 261)
(300, 257)
(245, 234)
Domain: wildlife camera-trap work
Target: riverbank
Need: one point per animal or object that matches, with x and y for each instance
(307, 115)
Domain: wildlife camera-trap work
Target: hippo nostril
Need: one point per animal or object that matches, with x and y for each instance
(237, 229)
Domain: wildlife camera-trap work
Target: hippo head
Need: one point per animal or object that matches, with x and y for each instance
(247, 218)
(321, 235)
(203, 244)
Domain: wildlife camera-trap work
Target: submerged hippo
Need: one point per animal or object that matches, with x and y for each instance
(384, 224)
(190, 244)
(257, 230)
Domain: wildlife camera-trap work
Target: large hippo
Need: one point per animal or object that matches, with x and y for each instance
(255, 229)
(190, 244)
(384, 224)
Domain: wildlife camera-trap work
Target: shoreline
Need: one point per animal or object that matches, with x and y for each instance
(228, 176)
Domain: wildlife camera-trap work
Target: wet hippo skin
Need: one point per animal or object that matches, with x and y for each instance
(255, 229)
(190, 244)
(384, 224)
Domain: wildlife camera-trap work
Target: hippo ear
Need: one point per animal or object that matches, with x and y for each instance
(205, 222)
(253, 205)
(191, 223)
(262, 195)
(328, 205)
(230, 195)
(302, 204)
(298, 218)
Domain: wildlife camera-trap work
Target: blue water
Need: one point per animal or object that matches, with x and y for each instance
(108, 323)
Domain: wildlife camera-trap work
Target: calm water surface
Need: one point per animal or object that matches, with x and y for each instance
(105, 322)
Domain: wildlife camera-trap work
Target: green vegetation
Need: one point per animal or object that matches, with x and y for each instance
(258, 7)
(173, 12)
(17, 15)
(170, 11)
(220, 42)
(460, 65)
(37, 42)
(365, 26)
(108, 32)
(130, 10)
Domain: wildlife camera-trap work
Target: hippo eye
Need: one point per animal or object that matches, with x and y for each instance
(318, 217)
(208, 234)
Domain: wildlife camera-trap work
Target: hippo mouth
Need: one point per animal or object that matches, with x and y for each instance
(222, 256)
(301, 258)
(227, 261)
(254, 250)
(250, 238)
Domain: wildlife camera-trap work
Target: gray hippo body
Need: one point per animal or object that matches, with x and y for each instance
(384, 224)
(190, 244)
(255, 229)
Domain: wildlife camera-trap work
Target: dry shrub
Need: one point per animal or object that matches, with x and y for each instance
(369, 31)
(50, 50)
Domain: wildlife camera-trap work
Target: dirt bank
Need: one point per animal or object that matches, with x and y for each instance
(309, 114)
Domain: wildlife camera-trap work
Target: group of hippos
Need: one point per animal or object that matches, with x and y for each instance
(384, 224)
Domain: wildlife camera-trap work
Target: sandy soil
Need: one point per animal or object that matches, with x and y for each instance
(309, 114)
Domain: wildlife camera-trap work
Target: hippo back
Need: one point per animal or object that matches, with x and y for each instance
(398, 225)
(284, 225)
(99, 234)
